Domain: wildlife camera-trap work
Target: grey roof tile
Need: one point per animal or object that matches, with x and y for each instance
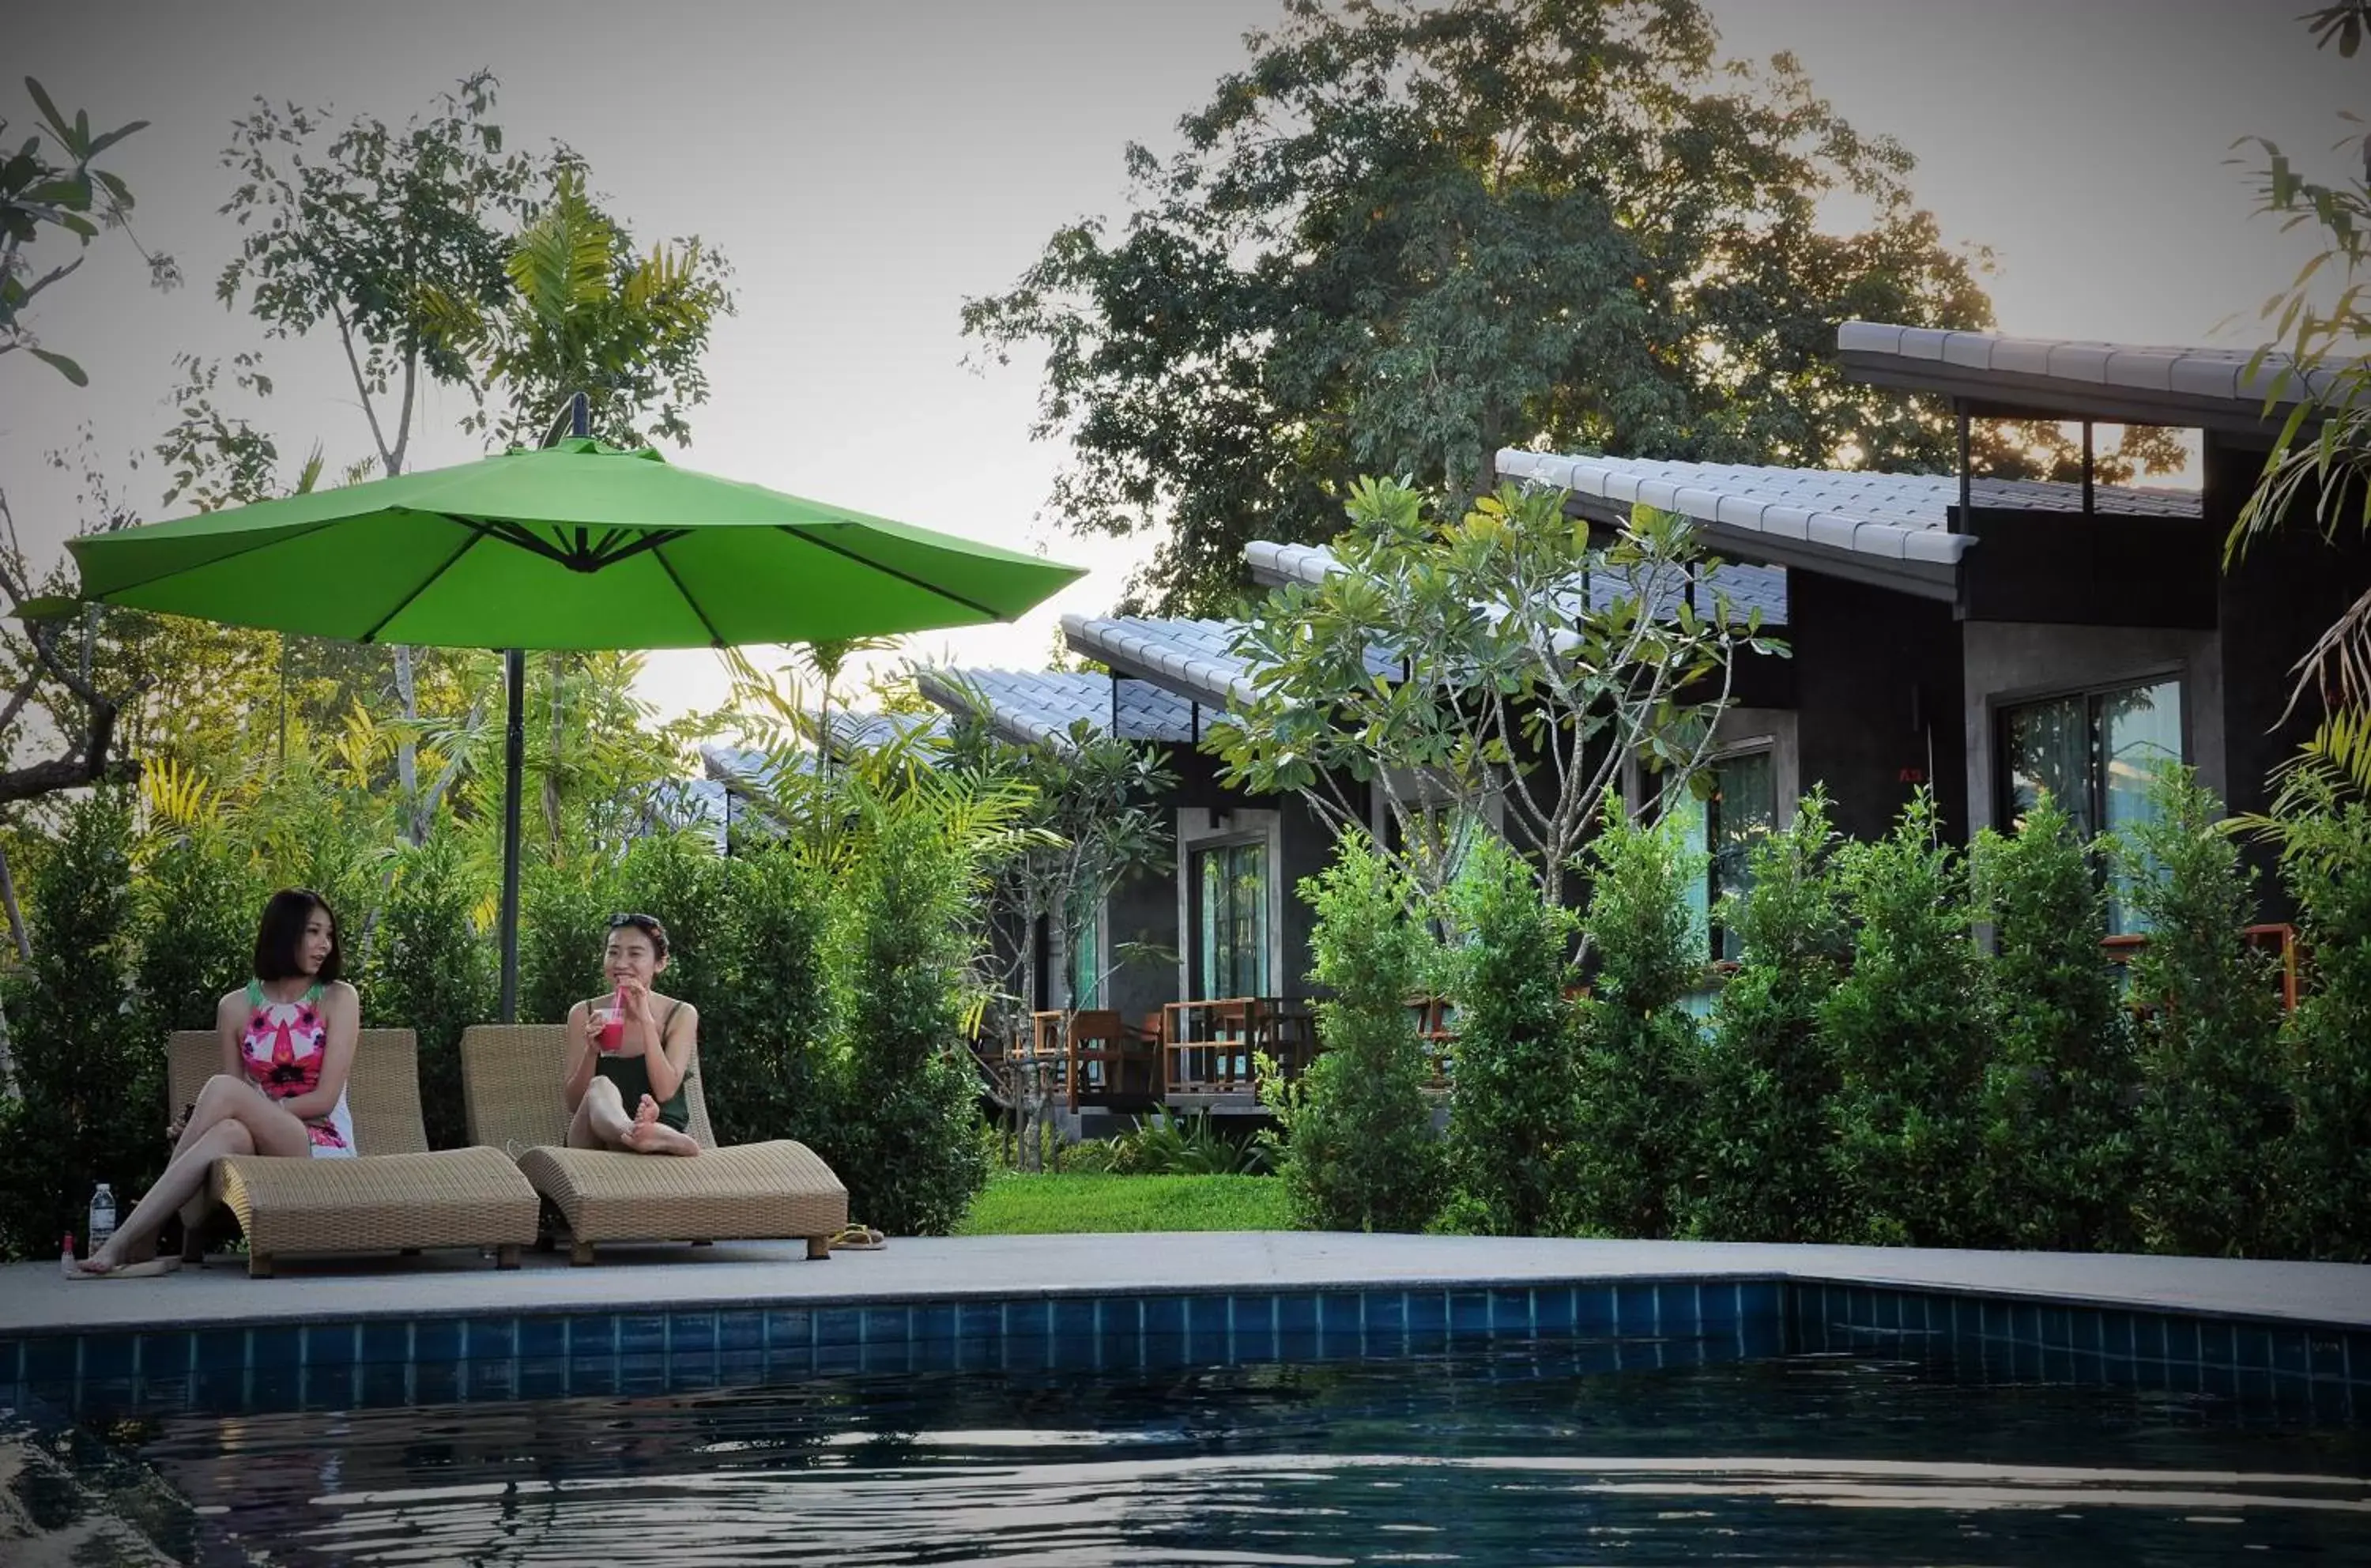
(1042, 705)
(2216, 374)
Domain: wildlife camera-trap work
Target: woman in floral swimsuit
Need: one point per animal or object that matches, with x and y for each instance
(287, 1042)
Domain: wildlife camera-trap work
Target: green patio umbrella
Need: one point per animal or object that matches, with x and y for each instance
(577, 545)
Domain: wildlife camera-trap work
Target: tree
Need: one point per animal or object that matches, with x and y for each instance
(52, 181)
(1405, 235)
(1094, 819)
(1360, 1152)
(2057, 1127)
(1763, 1073)
(583, 313)
(1908, 1028)
(1514, 1121)
(1498, 658)
(1637, 1039)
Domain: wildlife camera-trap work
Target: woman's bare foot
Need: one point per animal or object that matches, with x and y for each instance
(651, 1136)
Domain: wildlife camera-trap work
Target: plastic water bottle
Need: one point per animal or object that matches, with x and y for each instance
(102, 1217)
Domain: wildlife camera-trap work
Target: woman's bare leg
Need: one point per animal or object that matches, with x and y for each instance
(183, 1181)
(226, 1098)
(601, 1121)
(651, 1136)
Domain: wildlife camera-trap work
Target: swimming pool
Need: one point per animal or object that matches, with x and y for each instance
(1511, 1452)
(1654, 1420)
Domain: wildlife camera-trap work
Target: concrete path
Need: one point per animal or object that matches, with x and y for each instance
(34, 1299)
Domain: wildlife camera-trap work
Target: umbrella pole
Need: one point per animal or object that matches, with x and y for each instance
(580, 423)
(514, 766)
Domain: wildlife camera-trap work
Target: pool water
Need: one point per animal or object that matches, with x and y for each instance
(1508, 1454)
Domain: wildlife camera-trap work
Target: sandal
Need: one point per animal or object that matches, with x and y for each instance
(859, 1238)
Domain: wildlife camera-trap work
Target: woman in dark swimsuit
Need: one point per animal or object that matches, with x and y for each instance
(630, 1051)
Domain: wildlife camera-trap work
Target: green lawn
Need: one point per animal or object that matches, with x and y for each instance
(1034, 1205)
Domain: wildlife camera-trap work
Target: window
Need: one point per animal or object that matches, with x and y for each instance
(1724, 828)
(1231, 951)
(1086, 967)
(2097, 753)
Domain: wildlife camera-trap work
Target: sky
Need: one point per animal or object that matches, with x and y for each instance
(867, 165)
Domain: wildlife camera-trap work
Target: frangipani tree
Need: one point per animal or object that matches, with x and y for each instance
(1496, 662)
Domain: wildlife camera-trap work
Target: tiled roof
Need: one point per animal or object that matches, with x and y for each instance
(1889, 516)
(1749, 588)
(2214, 375)
(692, 803)
(850, 732)
(1033, 706)
(1195, 658)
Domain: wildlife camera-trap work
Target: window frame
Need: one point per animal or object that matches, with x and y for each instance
(1999, 706)
(1197, 977)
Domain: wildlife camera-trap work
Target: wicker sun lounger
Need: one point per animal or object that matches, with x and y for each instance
(395, 1196)
(777, 1191)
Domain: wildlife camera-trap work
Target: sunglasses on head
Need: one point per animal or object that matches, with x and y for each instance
(640, 922)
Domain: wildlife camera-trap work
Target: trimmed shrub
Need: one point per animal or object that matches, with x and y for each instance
(1764, 1074)
(1908, 1030)
(770, 1071)
(1513, 1122)
(1359, 1151)
(1634, 1119)
(563, 924)
(2210, 1090)
(906, 1142)
(197, 900)
(89, 1105)
(2057, 1123)
(2324, 1173)
(433, 973)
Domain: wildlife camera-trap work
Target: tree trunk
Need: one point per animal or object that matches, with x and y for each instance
(23, 943)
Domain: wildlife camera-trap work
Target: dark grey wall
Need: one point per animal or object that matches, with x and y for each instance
(2007, 661)
(1878, 688)
(1142, 909)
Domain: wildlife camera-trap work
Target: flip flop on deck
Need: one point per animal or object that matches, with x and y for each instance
(859, 1238)
(775, 1191)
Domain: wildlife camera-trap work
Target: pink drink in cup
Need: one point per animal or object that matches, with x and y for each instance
(610, 1021)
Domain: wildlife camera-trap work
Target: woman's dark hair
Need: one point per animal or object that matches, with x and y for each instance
(646, 924)
(277, 936)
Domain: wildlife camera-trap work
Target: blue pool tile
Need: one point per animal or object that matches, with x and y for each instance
(837, 1326)
(741, 1368)
(936, 1322)
(222, 1391)
(2326, 1356)
(838, 1357)
(437, 1340)
(2057, 1327)
(741, 1330)
(641, 1371)
(385, 1384)
(386, 1341)
(2025, 1322)
(1636, 1307)
(435, 1382)
(886, 1325)
(492, 1339)
(490, 1380)
(2149, 1336)
(1342, 1313)
(592, 1376)
(275, 1347)
(936, 1355)
(332, 1344)
(642, 1333)
(1592, 1309)
(12, 1360)
(222, 1350)
(1032, 1318)
(2220, 1379)
(1164, 1315)
(543, 1378)
(788, 1328)
(1254, 1319)
(2290, 1356)
(1469, 1312)
(1207, 1325)
(2253, 1348)
(1551, 1308)
(2218, 1344)
(691, 1333)
(1387, 1313)
(593, 1336)
(2116, 1337)
(1511, 1311)
(687, 1374)
(543, 1336)
(110, 1356)
(164, 1355)
(1718, 1307)
(1075, 1320)
(1295, 1315)
(1074, 1353)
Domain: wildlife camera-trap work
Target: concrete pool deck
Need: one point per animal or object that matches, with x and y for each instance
(36, 1300)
